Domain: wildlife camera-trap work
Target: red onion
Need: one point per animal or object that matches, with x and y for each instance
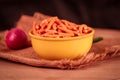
(16, 39)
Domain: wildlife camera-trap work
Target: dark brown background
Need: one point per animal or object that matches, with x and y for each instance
(95, 13)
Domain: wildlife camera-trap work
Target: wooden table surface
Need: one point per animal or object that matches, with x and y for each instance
(106, 70)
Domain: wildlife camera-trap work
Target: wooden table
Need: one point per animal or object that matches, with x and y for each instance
(106, 70)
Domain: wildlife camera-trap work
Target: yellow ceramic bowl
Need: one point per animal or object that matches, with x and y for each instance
(62, 48)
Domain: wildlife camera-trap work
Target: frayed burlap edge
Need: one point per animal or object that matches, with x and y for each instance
(84, 61)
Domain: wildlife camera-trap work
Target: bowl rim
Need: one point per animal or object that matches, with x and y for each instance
(70, 38)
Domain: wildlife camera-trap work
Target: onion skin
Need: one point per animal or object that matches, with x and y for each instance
(16, 39)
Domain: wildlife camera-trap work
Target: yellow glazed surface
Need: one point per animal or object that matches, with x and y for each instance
(62, 48)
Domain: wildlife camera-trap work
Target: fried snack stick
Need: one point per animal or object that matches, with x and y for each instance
(60, 28)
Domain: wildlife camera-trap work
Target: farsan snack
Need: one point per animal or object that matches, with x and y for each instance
(56, 28)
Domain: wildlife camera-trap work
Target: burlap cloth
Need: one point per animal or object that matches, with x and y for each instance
(102, 50)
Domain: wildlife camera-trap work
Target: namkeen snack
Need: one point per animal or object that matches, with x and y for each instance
(57, 28)
(54, 39)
